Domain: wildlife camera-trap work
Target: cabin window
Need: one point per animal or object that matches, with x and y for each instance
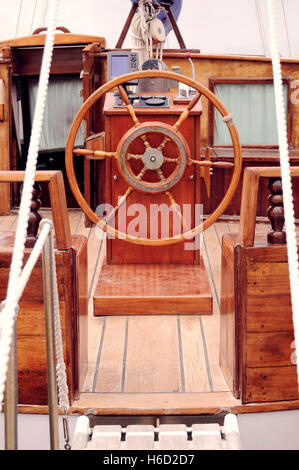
(252, 105)
(63, 102)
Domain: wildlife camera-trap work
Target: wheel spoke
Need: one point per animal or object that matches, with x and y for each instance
(212, 164)
(186, 111)
(121, 201)
(170, 160)
(130, 108)
(140, 175)
(177, 210)
(161, 176)
(163, 143)
(94, 154)
(145, 141)
(134, 156)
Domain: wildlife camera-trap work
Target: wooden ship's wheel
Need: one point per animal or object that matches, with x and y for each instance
(152, 171)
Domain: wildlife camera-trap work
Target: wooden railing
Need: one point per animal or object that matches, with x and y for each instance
(252, 176)
(57, 198)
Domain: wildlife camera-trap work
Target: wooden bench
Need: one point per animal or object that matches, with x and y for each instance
(71, 263)
(256, 327)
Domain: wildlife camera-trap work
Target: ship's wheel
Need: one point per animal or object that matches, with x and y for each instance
(152, 158)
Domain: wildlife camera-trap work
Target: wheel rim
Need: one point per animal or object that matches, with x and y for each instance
(189, 234)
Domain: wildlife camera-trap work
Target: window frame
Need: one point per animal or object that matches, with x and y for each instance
(231, 80)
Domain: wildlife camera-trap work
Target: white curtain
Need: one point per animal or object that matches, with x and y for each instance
(253, 108)
(17, 114)
(63, 102)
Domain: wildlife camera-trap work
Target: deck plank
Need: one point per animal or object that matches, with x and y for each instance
(110, 372)
(164, 355)
(153, 363)
(195, 367)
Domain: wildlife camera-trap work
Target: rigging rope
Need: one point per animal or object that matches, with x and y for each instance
(285, 175)
(10, 308)
(142, 38)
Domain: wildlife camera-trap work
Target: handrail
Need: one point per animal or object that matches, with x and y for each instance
(250, 188)
(57, 197)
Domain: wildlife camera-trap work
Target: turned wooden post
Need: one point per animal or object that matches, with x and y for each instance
(275, 212)
(34, 217)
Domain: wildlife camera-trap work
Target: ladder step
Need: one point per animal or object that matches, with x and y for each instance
(207, 436)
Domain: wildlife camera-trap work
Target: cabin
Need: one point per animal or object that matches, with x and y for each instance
(162, 176)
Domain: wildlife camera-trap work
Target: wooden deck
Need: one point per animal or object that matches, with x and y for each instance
(164, 364)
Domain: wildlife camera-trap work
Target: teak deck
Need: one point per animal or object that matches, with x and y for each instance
(154, 365)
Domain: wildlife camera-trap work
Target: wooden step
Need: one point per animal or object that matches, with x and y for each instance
(152, 289)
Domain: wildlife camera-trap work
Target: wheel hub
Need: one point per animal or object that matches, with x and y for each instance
(152, 158)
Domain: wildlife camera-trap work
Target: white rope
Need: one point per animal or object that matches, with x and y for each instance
(63, 391)
(142, 40)
(285, 175)
(17, 259)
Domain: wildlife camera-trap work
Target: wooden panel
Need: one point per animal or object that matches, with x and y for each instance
(32, 313)
(227, 351)
(72, 291)
(268, 300)
(269, 349)
(271, 384)
(119, 251)
(263, 278)
(34, 287)
(32, 370)
(80, 322)
(65, 60)
(153, 363)
(269, 315)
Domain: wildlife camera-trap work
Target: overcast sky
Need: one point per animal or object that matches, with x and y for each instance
(214, 26)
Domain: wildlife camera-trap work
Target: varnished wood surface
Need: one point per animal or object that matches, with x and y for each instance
(118, 372)
(260, 364)
(71, 269)
(60, 39)
(152, 289)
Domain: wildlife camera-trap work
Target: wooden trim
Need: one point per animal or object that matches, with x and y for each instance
(251, 179)
(58, 201)
(60, 28)
(60, 39)
(191, 404)
(195, 54)
(5, 135)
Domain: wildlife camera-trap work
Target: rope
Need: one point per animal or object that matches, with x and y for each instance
(142, 40)
(63, 392)
(10, 308)
(285, 175)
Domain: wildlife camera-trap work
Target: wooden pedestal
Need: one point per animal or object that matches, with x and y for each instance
(139, 279)
(256, 343)
(152, 289)
(72, 289)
